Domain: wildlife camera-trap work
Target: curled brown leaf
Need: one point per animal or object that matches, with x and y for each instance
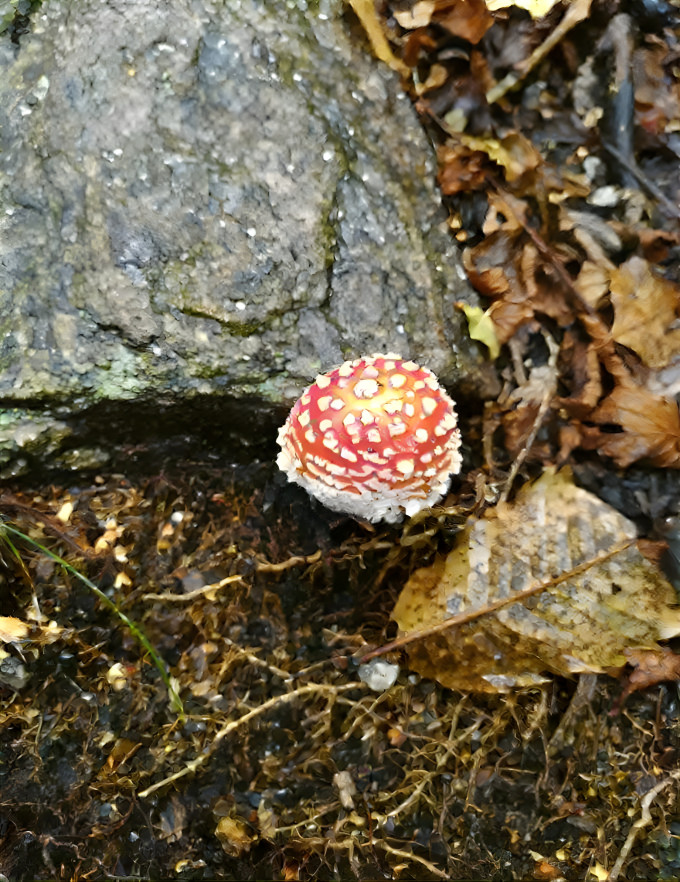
(634, 424)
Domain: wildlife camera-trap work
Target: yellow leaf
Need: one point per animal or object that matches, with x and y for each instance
(553, 582)
(371, 23)
(482, 328)
(12, 629)
(600, 873)
(646, 310)
(536, 8)
(234, 836)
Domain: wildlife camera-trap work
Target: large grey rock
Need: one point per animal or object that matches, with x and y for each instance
(200, 197)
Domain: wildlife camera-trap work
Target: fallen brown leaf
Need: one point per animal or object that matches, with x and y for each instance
(649, 428)
(656, 244)
(646, 312)
(461, 169)
(552, 582)
(651, 666)
(492, 268)
(580, 372)
(468, 19)
(592, 283)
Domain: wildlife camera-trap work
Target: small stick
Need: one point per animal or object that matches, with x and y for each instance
(266, 567)
(192, 595)
(644, 820)
(631, 165)
(229, 727)
(540, 416)
(575, 13)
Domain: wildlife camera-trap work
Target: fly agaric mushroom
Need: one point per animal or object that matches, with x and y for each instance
(375, 438)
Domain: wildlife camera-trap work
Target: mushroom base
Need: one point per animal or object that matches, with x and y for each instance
(384, 502)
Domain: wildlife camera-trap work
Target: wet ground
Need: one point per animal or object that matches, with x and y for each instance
(282, 763)
(257, 605)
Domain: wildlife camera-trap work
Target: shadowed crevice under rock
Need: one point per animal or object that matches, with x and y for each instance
(141, 438)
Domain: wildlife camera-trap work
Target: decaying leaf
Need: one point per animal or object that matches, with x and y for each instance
(649, 427)
(581, 374)
(514, 153)
(651, 666)
(234, 835)
(12, 629)
(646, 312)
(469, 19)
(592, 283)
(536, 8)
(613, 598)
(419, 15)
(461, 169)
(493, 268)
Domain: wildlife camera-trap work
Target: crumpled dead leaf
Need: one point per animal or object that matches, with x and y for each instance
(646, 312)
(509, 270)
(649, 427)
(12, 629)
(515, 153)
(235, 836)
(468, 19)
(462, 169)
(611, 599)
(651, 666)
(581, 374)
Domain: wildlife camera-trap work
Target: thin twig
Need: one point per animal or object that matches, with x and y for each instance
(409, 856)
(644, 820)
(470, 615)
(266, 567)
(631, 166)
(260, 566)
(546, 401)
(192, 595)
(575, 13)
(232, 725)
(286, 676)
(524, 452)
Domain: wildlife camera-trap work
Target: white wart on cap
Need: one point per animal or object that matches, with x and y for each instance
(375, 438)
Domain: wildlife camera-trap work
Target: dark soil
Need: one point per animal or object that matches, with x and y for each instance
(286, 764)
(282, 763)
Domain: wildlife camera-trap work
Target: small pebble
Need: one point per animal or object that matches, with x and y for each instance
(605, 197)
(378, 675)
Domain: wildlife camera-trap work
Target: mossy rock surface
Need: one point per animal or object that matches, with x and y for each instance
(215, 198)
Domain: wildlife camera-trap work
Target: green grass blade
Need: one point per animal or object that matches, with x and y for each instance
(135, 630)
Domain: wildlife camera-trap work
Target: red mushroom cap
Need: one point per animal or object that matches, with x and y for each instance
(375, 438)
